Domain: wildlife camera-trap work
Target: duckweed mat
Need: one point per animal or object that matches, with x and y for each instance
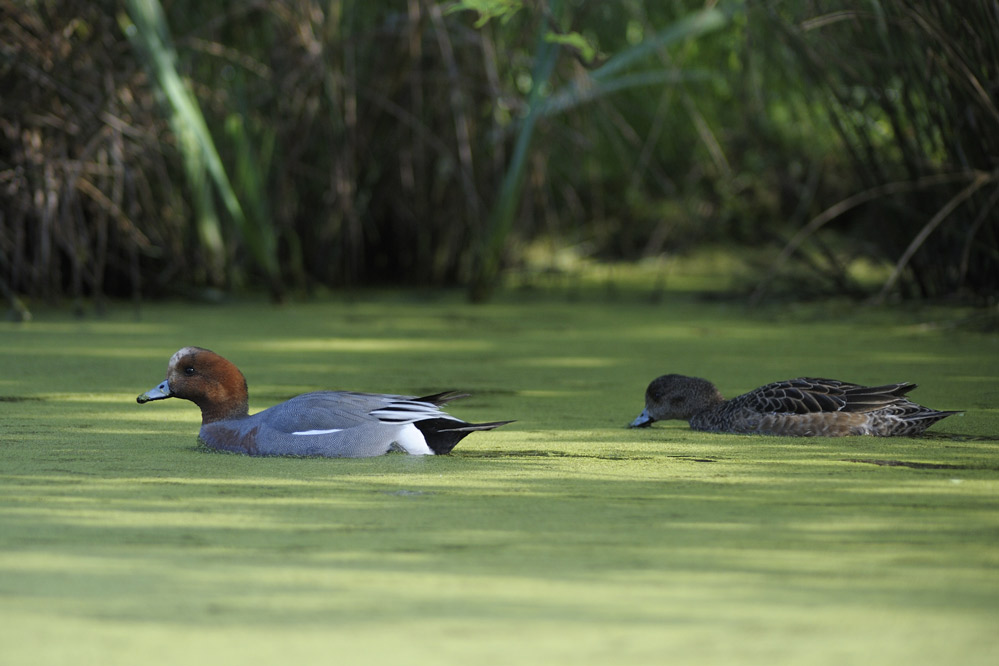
(563, 538)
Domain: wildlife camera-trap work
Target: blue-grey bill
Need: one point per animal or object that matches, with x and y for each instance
(156, 393)
(643, 420)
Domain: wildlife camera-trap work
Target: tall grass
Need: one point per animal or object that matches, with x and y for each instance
(507, 201)
(617, 74)
(280, 142)
(913, 97)
(150, 150)
(149, 33)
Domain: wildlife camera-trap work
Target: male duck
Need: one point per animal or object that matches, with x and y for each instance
(796, 408)
(335, 424)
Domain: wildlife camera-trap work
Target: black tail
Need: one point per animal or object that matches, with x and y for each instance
(443, 434)
(442, 398)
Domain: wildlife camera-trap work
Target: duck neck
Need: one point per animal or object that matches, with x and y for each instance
(711, 402)
(224, 411)
(225, 399)
(225, 403)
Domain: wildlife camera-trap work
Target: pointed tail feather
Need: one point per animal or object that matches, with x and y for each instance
(442, 398)
(472, 427)
(443, 434)
(932, 416)
(916, 423)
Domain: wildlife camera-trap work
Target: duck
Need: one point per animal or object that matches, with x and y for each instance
(332, 424)
(803, 407)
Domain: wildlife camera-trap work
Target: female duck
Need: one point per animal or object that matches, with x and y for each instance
(796, 408)
(335, 424)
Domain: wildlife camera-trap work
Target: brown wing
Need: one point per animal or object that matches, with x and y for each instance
(807, 395)
(871, 398)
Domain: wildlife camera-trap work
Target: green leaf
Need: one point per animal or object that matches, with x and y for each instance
(488, 10)
(147, 29)
(576, 41)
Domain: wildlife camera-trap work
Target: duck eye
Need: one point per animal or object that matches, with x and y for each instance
(189, 370)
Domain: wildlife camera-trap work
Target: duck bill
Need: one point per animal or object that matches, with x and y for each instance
(157, 393)
(643, 420)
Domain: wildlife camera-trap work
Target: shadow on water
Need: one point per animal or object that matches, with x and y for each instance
(537, 453)
(239, 541)
(957, 437)
(913, 465)
(229, 553)
(534, 453)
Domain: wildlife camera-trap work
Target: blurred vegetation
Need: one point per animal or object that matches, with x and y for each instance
(185, 148)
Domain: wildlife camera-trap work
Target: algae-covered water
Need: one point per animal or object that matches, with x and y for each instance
(563, 538)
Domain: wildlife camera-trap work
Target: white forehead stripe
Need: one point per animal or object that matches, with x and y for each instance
(181, 352)
(318, 432)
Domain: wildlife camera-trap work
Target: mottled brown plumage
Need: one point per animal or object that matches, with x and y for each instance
(803, 407)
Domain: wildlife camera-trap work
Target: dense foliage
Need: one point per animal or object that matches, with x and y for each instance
(148, 150)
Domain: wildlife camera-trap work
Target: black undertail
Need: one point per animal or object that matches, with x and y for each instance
(443, 434)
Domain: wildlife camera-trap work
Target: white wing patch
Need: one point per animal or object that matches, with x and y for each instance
(409, 411)
(318, 432)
